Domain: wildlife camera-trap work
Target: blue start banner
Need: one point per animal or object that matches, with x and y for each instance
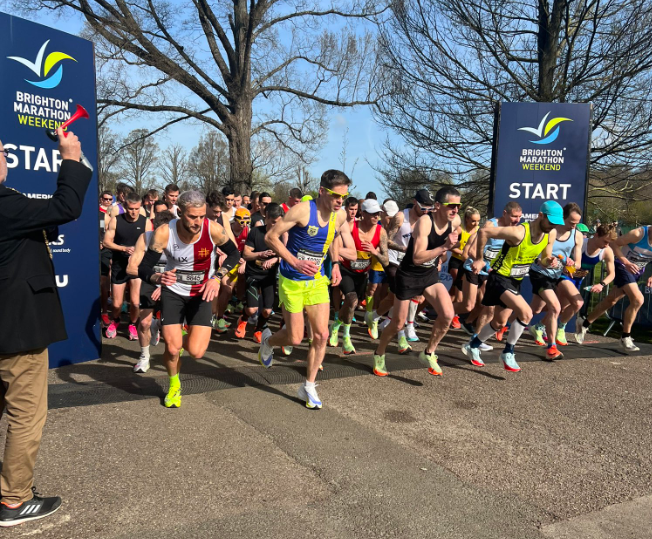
(45, 75)
(541, 153)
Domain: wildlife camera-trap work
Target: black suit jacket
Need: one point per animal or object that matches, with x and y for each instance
(30, 309)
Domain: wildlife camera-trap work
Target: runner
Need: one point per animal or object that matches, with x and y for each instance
(522, 245)
(260, 275)
(121, 192)
(149, 294)
(189, 283)
(105, 260)
(433, 236)
(229, 198)
(470, 225)
(294, 197)
(149, 199)
(121, 237)
(258, 217)
(311, 227)
(549, 285)
(370, 240)
(633, 252)
(171, 196)
(351, 209)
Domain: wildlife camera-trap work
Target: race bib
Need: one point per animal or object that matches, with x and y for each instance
(400, 255)
(159, 268)
(360, 264)
(519, 271)
(489, 255)
(431, 263)
(190, 277)
(640, 263)
(313, 256)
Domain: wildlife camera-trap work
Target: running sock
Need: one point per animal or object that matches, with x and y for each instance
(375, 315)
(244, 317)
(412, 310)
(174, 381)
(347, 329)
(550, 344)
(144, 350)
(337, 324)
(540, 326)
(624, 335)
(261, 323)
(509, 349)
(486, 332)
(401, 333)
(310, 384)
(561, 325)
(337, 316)
(586, 323)
(516, 331)
(370, 303)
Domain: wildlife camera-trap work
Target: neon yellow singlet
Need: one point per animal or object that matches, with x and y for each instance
(464, 238)
(515, 261)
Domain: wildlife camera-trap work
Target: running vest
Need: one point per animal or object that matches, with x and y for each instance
(126, 232)
(493, 246)
(159, 267)
(242, 239)
(362, 263)
(434, 240)
(121, 209)
(375, 264)
(640, 253)
(515, 261)
(464, 238)
(194, 262)
(589, 262)
(564, 248)
(402, 237)
(309, 242)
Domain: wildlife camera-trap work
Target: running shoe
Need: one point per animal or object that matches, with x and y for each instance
(143, 364)
(155, 331)
(468, 327)
(373, 329)
(229, 308)
(455, 324)
(257, 336)
(484, 347)
(286, 350)
(537, 332)
(173, 398)
(105, 320)
(379, 365)
(545, 334)
(581, 331)
(34, 509)
(112, 330)
(310, 396)
(221, 326)
(473, 354)
(431, 360)
(239, 307)
(368, 318)
(501, 333)
(509, 362)
(403, 346)
(133, 332)
(384, 324)
(253, 320)
(561, 337)
(266, 352)
(333, 339)
(411, 334)
(628, 344)
(347, 346)
(241, 330)
(553, 353)
(422, 316)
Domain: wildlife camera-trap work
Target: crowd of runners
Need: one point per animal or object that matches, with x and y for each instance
(188, 260)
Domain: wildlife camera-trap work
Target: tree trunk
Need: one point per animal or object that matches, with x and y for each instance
(548, 41)
(239, 137)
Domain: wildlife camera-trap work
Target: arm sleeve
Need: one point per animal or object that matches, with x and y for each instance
(232, 255)
(146, 267)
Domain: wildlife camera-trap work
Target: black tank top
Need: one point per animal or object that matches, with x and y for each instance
(127, 233)
(434, 240)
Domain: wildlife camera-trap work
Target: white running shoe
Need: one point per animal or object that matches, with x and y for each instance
(310, 396)
(628, 344)
(410, 333)
(384, 324)
(143, 364)
(484, 347)
(473, 354)
(266, 352)
(581, 331)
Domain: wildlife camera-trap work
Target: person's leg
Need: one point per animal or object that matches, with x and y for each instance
(173, 344)
(400, 311)
(197, 341)
(553, 310)
(318, 319)
(134, 299)
(614, 296)
(144, 338)
(636, 301)
(25, 381)
(292, 332)
(224, 296)
(570, 300)
(118, 295)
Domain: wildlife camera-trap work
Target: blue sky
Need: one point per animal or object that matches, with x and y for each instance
(364, 138)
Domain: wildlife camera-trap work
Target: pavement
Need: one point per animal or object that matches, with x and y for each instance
(558, 450)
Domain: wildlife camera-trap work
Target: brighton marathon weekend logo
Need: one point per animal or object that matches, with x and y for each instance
(543, 159)
(42, 67)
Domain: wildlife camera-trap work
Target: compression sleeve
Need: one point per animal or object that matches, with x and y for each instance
(146, 268)
(232, 255)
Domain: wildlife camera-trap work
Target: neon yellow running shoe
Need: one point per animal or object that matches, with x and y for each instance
(347, 346)
(379, 365)
(433, 365)
(561, 337)
(403, 346)
(373, 329)
(334, 338)
(173, 398)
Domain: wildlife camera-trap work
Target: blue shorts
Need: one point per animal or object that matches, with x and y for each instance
(377, 277)
(624, 277)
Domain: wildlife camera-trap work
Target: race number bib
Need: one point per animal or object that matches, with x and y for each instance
(313, 256)
(431, 263)
(640, 262)
(490, 254)
(519, 271)
(360, 264)
(159, 268)
(190, 277)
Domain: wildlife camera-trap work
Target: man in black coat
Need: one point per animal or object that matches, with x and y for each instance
(31, 318)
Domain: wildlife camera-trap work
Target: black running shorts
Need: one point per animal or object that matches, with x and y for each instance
(410, 286)
(146, 291)
(260, 292)
(105, 262)
(496, 286)
(176, 309)
(353, 282)
(119, 270)
(542, 282)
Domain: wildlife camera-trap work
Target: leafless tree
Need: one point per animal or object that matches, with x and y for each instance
(139, 160)
(174, 167)
(446, 64)
(208, 163)
(109, 158)
(243, 68)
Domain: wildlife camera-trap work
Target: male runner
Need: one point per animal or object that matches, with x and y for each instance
(522, 245)
(121, 237)
(311, 227)
(633, 253)
(105, 259)
(149, 294)
(549, 285)
(229, 198)
(148, 203)
(189, 284)
(294, 197)
(258, 217)
(351, 209)
(370, 240)
(470, 225)
(260, 274)
(434, 235)
(171, 196)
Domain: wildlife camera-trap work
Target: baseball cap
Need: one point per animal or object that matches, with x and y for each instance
(423, 196)
(306, 198)
(582, 227)
(242, 213)
(390, 208)
(371, 206)
(553, 211)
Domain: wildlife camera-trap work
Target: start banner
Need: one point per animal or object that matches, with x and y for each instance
(46, 73)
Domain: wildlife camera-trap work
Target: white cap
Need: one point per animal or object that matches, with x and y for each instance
(371, 206)
(390, 208)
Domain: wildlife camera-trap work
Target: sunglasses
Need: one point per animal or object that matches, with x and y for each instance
(452, 205)
(336, 196)
(244, 221)
(424, 208)
(107, 199)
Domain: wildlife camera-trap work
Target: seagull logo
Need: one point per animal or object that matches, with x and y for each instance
(43, 68)
(544, 133)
